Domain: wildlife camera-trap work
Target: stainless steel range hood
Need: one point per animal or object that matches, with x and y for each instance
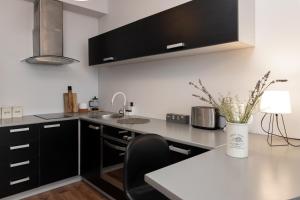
(48, 34)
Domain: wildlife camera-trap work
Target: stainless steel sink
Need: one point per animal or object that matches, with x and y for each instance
(120, 117)
(106, 115)
(111, 116)
(134, 120)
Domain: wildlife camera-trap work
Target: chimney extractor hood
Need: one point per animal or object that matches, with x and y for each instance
(48, 34)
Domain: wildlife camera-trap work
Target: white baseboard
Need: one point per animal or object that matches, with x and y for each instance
(43, 188)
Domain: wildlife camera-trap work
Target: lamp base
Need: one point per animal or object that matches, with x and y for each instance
(274, 118)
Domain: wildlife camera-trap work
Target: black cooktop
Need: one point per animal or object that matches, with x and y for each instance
(53, 116)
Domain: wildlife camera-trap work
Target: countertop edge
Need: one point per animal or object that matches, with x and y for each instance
(194, 144)
(31, 120)
(161, 189)
(37, 121)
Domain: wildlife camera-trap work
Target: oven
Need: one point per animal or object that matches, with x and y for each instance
(114, 142)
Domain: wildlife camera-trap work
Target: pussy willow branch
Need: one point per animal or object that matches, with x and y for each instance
(253, 102)
(225, 104)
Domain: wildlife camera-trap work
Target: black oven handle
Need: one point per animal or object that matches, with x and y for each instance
(115, 147)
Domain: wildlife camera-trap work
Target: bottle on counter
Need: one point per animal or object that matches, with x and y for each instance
(130, 109)
(70, 98)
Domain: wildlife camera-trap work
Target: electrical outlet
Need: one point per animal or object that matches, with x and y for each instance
(177, 118)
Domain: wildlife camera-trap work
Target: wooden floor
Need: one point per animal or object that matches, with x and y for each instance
(75, 191)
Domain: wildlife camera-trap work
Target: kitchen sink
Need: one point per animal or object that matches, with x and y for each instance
(111, 116)
(120, 118)
(106, 115)
(134, 120)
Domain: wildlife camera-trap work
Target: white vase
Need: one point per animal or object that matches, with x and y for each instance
(237, 140)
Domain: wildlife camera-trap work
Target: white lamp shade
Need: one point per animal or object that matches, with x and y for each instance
(276, 102)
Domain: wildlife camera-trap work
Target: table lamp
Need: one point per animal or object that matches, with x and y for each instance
(275, 103)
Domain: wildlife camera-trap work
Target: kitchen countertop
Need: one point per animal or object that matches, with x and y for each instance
(269, 173)
(30, 119)
(182, 133)
(208, 139)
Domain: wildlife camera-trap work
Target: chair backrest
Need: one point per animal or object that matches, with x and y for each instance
(144, 154)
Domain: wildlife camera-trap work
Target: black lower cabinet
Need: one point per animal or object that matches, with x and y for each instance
(180, 152)
(90, 151)
(92, 162)
(58, 151)
(36, 155)
(18, 179)
(18, 159)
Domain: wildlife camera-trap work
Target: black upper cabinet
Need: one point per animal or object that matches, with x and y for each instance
(193, 25)
(94, 51)
(58, 151)
(200, 23)
(120, 44)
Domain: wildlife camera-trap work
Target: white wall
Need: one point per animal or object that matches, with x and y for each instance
(160, 87)
(39, 88)
(97, 5)
(127, 11)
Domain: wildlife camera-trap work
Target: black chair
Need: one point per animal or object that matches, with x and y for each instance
(145, 153)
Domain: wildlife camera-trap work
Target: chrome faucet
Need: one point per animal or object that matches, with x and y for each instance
(122, 110)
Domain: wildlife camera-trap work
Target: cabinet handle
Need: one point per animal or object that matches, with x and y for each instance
(174, 46)
(115, 147)
(20, 181)
(127, 138)
(180, 150)
(19, 147)
(52, 126)
(121, 154)
(94, 127)
(108, 59)
(19, 164)
(122, 132)
(19, 130)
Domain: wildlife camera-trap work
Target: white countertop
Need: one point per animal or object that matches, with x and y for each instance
(182, 133)
(31, 119)
(269, 173)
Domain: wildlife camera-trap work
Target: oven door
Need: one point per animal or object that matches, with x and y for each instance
(113, 153)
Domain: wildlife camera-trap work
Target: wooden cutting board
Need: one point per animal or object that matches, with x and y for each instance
(70, 103)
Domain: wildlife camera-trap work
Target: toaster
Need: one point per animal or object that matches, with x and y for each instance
(205, 117)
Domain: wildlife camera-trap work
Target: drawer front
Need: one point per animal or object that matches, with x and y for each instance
(18, 176)
(181, 152)
(18, 134)
(18, 151)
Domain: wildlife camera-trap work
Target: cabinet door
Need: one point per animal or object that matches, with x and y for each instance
(120, 44)
(131, 41)
(90, 151)
(203, 23)
(58, 151)
(195, 24)
(181, 152)
(93, 51)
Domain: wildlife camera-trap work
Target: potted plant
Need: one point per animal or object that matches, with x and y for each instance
(237, 113)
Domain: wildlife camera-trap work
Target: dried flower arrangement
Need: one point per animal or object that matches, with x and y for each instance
(230, 107)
